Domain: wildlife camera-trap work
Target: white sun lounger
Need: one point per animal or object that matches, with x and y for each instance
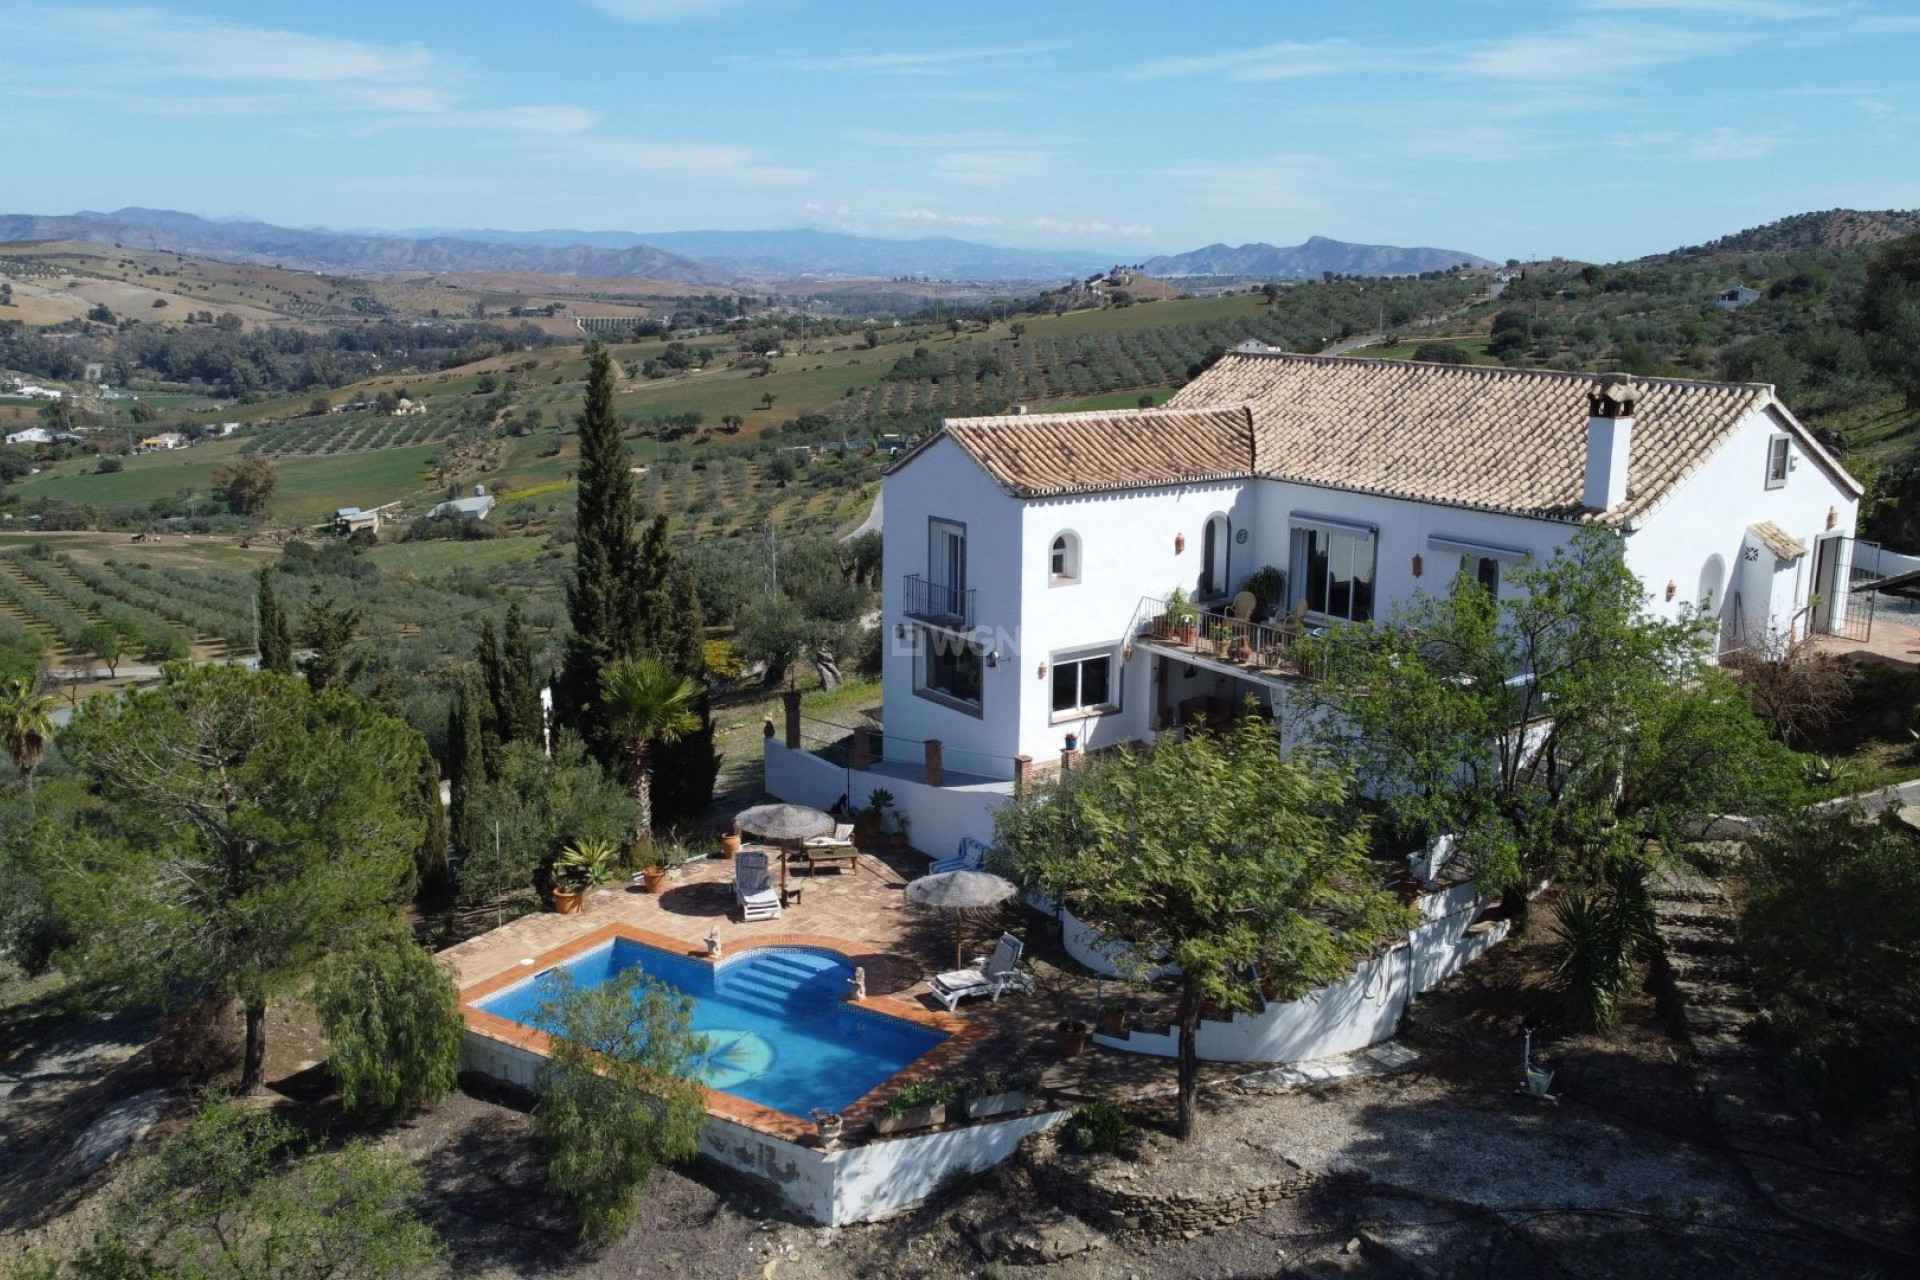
(990, 975)
(753, 887)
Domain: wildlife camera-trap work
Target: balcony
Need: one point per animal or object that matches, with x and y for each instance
(936, 603)
(1261, 649)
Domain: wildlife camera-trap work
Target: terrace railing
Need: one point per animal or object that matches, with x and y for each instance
(938, 603)
(1269, 649)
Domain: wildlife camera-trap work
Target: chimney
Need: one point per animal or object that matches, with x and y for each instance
(1609, 442)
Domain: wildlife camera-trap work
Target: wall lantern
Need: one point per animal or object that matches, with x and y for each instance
(1043, 671)
(993, 658)
(1126, 654)
(899, 631)
(1833, 516)
(1416, 564)
(1673, 588)
(1179, 543)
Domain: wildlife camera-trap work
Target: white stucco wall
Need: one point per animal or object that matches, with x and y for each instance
(943, 482)
(1709, 514)
(853, 1184)
(937, 816)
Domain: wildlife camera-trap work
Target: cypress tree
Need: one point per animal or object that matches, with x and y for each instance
(521, 719)
(493, 733)
(431, 861)
(602, 599)
(466, 766)
(685, 769)
(276, 637)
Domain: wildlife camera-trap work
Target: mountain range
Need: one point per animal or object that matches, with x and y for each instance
(1317, 255)
(686, 257)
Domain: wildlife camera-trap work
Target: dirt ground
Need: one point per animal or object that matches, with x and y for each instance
(1444, 1169)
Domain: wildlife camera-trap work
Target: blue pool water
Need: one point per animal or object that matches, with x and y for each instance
(779, 1031)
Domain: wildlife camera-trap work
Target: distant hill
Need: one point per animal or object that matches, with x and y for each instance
(262, 243)
(1829, 229)
(801, 252)
(1317, 255)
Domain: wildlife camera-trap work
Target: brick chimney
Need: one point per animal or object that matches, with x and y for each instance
(1609, 442)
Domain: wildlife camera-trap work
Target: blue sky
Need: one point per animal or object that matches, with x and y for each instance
(1594, 128)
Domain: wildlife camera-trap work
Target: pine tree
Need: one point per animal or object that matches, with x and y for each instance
(602, 600)
(466, 766)
(520, 715)
(276, 638)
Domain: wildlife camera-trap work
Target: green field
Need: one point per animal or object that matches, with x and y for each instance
(310, 488)
(1147, 315)
(1114, 400)
(426, 559)
(1475, 346)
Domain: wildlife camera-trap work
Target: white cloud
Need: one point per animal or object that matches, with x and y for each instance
(728, 165)
(1758, 10)
(1707, 145)
(157, 43)
(918, 62)
(1594, 54)
(1287, 60)
(661, 10)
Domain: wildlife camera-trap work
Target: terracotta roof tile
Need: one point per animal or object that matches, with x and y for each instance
(1778, 540)
(1036, 454)
(1493, 438)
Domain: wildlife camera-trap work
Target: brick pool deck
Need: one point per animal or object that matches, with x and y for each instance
(862, 913)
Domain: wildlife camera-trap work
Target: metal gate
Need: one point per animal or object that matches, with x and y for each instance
(1843, 608)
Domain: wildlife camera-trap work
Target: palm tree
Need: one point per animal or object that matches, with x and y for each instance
(26, 723)
(646, 702)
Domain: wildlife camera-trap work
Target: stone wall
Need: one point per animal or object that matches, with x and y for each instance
(1144, 1212)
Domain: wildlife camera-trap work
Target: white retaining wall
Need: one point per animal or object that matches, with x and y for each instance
(937, 817)
(853, 1184)
(1358, 1011)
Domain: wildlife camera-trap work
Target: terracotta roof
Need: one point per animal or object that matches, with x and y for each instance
(1497, 439)
(1778, 540)
(1036, 454)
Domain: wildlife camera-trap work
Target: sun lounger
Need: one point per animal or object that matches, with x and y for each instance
(972, 857)
(990, 975)
(753, 887)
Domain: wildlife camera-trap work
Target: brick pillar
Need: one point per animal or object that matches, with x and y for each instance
(1022, 777)
(862, 749)
(792, 700)
(934, 770)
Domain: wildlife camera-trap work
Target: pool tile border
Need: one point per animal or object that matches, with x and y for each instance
(961, 1032)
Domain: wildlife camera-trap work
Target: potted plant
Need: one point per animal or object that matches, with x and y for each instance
(1113, 1019)
(917, 1106)
(997, 1093)
(1182, 616)
(660, 859)
(868, 820)
(1222, 639)
(1269, 587)
(580, 866)
(1072, 1035)
(729, 842)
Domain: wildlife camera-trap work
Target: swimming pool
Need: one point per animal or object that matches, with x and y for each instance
(779, 1031)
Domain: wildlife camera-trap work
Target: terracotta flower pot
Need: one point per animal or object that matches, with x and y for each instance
(568, 902)
(653, 879)
(729, 843)
(1113, 1021)
(1073, 1038)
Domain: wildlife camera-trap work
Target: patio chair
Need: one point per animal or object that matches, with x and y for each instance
(1243, 606)
(989, 976)
(842, 838)
(972, 857)
(753, 887)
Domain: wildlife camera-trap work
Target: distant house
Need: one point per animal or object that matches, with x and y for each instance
(353, 520)
(214, 430)
(1738, 296)
(478, 507)
(165, 440)
(406, 408)
(32, 435)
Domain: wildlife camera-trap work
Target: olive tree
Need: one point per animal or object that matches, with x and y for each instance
(1244, 868)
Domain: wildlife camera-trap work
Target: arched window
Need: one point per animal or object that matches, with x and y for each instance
(1713, 579)
(1063, 558)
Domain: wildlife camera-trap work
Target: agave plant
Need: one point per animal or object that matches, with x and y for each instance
(1591, 956)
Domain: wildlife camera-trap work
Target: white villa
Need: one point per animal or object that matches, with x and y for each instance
(1029, 557)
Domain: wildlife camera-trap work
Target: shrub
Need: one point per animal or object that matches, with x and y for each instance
(1097, 1128)
(1591, 956)
(921, 1093)
(619, 1097)
(392, 1014)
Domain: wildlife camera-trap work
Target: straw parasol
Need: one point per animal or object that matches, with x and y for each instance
(785, 823)
(962, 895)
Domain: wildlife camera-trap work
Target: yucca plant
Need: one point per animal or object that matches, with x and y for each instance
(1591, 956)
